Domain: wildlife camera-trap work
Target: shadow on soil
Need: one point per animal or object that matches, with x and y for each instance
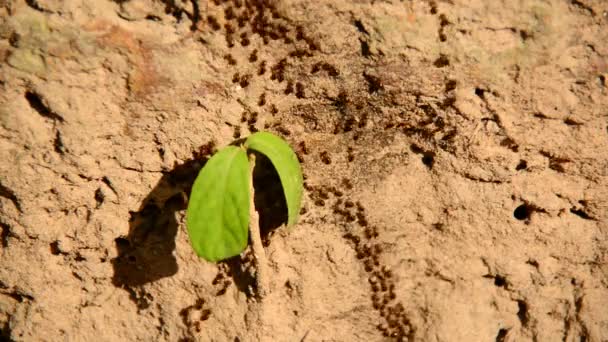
(146, 254)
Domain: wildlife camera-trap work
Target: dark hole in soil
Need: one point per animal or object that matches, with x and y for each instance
(54, 246)
(581, 213)
(4, 234)
(522, 212)
(502, 334)
(428, 159)
(525, 35)
(365, 50)
(522, 165)
(522, 313)
(450, 85)
(359, 25)
(442, 61)
(39, 106)
(500, 281)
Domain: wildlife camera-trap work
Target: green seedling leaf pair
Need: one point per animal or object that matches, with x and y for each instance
(217, 217)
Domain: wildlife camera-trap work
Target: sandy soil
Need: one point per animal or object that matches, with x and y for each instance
(455, 155)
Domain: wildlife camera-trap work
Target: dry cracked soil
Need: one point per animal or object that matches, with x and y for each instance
(455, 156)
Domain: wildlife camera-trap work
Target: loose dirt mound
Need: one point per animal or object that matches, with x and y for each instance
(455, 156)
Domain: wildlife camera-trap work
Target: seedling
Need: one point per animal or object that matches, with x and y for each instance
(221, 210)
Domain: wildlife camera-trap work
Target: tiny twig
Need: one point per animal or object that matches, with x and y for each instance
(256, 238)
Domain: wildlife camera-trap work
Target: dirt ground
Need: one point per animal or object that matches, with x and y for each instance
(455, 156)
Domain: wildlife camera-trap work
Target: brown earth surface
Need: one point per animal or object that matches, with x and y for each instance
(455, 156)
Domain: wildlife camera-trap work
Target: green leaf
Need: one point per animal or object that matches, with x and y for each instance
(286, 163)
(218, 209)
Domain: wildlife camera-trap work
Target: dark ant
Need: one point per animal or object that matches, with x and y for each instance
(262, 68)
(331, 70)
(360, 206)
(323, 193)
(299, 90)
(253, 119)
(205, 150)
(205, 314)
(289, 88)
(360, 216)
(377, 248)
(376, 260)
(229, 28)
(350, 154)
(230, 59)
(299, 54)
(283, 130)
(253, 57)
(229, 13)
(241, 21)
(283, 29)
(245, 81)
(347, 184)
(225, 286)
(312, 45)
(299, 33)
(363, 223)
(367, 250)
(302, 147)
(213, 22)
(392, 322)
(230, 40)
(217, 278)
(385, 299)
